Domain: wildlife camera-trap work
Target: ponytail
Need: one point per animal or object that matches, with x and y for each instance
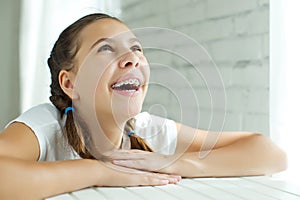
(136, 141)
(72, 131)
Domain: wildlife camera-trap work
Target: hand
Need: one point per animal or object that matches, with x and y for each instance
(142, 160)
(121, 176)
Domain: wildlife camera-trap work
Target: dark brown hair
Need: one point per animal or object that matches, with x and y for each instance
(62, 58)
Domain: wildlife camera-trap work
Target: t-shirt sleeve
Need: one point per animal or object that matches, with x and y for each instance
(159, 133)
(42, 120)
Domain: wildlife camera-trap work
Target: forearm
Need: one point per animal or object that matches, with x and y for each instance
(36, 180)
(255, 155)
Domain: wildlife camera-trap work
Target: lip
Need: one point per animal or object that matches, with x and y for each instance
(127, 77)
(133, 93)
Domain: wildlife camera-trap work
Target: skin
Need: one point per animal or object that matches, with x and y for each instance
(19, 149)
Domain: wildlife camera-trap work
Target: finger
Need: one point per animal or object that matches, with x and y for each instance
(173, 176)
(155, 182)
(170, 176)
(134, 164)
(131, 151)
(123, 155)
(172, 179)
(154, 166)
(123, 169)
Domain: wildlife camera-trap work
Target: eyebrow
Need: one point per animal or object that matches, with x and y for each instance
(135, 40)
(110, 40)
(100, 40)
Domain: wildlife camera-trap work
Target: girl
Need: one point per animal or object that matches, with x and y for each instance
(83, 139)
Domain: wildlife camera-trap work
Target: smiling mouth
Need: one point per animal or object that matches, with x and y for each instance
(129, 85)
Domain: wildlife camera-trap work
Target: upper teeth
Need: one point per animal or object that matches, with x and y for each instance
(126, 82)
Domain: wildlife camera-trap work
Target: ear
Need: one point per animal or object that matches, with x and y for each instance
(66, 81)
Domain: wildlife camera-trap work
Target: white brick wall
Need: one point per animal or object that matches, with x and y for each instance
(223, 8)
(236, 49)
(236, 35)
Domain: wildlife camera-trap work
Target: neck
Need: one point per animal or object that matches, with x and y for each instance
(112, 130)
(104, 132)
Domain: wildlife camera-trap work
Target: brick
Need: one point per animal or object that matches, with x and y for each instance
(158, 94)
(251, 75)
(252, 23)
(158, 56)
(235, 49)
(236, 99)
(169, 77)
(189, 98)
(154, 7)
(188, 116)
(221, 8)
(258, 101)
(158, 20)
(265, 46)
(220, 77)
(204, 119)
(203, 77)
(126, 4)
(139, 14)
(187, 14)
(195, 54)
(173, 4)
(264, 2)
(211, 98)
(225, 75)
(209, 30)
(178, 61)
(161, 38)
(220, 121)
(233, 121)
(258, 123)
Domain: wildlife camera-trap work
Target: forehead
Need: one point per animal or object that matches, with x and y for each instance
(103, 28)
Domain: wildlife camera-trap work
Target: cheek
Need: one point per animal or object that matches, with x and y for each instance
(102, 89)
(103, 92)
(145, 68)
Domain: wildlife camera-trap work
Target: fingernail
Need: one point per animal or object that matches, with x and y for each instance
(116, 162)
(174, 180)
(164, 182)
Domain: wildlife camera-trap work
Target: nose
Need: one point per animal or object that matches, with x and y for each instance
(129, 60)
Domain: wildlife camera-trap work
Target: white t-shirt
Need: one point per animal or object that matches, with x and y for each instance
(46, 123)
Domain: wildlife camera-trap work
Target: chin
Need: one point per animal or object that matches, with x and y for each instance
(133, 111)
(124, 108)
(130, 110)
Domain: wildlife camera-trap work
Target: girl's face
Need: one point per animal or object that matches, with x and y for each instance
(112, 73)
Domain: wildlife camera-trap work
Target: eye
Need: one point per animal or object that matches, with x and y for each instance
(136, 48)
(105, 47)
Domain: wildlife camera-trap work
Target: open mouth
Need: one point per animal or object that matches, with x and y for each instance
(129, 85)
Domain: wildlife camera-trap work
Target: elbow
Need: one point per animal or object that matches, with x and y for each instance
(272, 158)
(280, 162)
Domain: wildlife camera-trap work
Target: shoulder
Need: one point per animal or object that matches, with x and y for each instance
(41, 115)
(44, 119)
(46, 122)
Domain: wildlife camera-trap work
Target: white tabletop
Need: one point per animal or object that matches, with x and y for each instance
(257, 188)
